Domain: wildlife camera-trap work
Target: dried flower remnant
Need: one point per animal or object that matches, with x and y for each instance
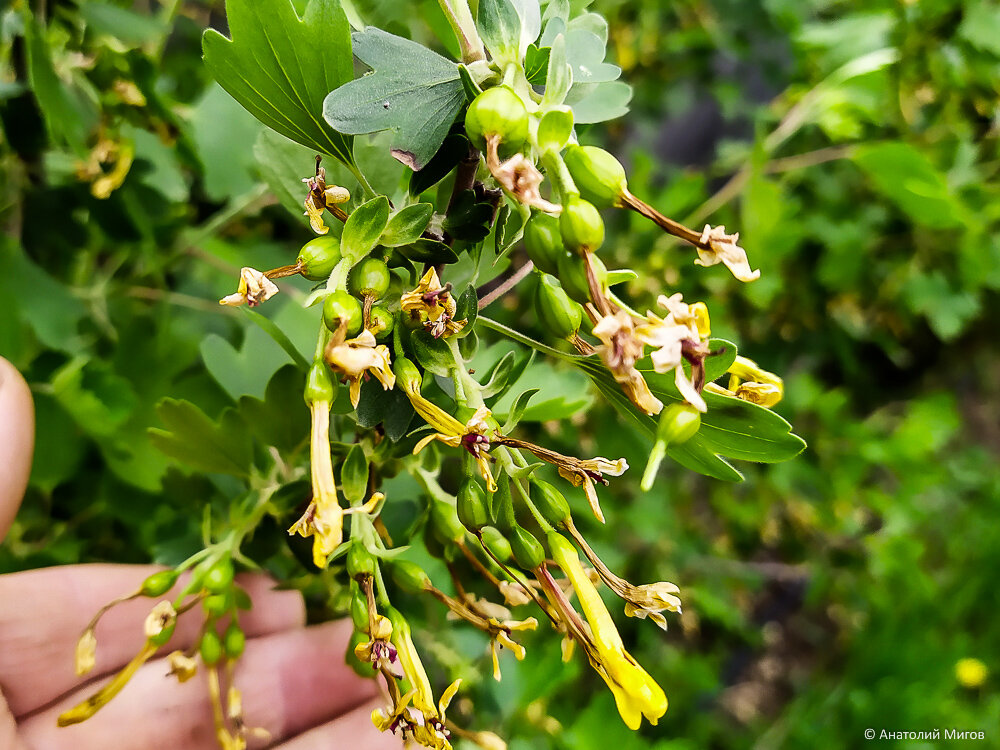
(716, 246)
(433, 305)
(323, 197)
(254, 288)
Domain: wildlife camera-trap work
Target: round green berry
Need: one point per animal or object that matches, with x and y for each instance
(497, 112)
(318, 257)
(580, 225)
(369, 278)
(340, 306)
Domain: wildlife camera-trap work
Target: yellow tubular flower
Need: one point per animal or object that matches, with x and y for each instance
(413, 668)
(98, 700)
(434, 305)
(324, 518)
(636, 693)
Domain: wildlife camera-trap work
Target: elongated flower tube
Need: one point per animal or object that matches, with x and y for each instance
(324, 518)
(636, 693)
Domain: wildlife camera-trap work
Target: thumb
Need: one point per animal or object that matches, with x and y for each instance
(17, 441)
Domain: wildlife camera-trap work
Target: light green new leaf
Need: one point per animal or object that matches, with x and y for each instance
(280, 67)
(194, 439)
(363, 228)
(413, 92)
(407, 224)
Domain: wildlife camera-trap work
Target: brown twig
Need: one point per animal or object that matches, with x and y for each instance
(494, 291)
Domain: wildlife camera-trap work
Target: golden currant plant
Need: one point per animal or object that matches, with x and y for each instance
(497, 192)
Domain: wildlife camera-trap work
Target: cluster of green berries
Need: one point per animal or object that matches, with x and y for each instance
(367, 284)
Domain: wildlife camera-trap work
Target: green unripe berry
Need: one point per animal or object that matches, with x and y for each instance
(678, 424)
(432, 542)
(598, 175)
(497, 111)
(159, 583)
(409, 576)
(210, 647)
(573, 276)
(359, 561)
(580, 225)
(407, 374)
(340, 306)
(550, 502)
(543, 242)
(361, 668)
(215, 605)
(471, 505)
(446, 524)
(528, 551)
(557, 312)
(318, 257)
(319, 385)
(359, 609)
(496, 543)
(164, 636)
(219, 577)
(234, 641)
(369, 278)
(381, 320)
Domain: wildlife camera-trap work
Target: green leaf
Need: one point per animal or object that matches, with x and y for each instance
(452, 151)
(98, 399)
(905, 175)
(621, 275)
(468, 219)
(413, 92)
(585, 54)
(467, 309)
(69, 116)
(500, 28)
(363, 228)
(354, 475)
(432, 353)
(429, 251)
(281, 67)
(278, 336)
(517, 410)
(499, 376)
(608, 101)
(739, 429)
(536, 64)
(194, 439)
(124, 25)
(282, 418)
(391, 409)
(407, 224)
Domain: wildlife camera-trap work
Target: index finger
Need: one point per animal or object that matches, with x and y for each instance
(17, 441)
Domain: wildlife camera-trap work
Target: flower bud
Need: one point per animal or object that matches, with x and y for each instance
(359, 561)
(556, 311)
(496, 543)
(580, 225)
(471, 505)
(446, 524)
(340, 306)
(550, 502)
(543, 242)
(409, 576)
(369, 278)
(381, 322)
(234, 641)
(497, 111)
(319, 385)
(598, 175)
(210, 647)
(318, 257)
(502, 505)
(359, 609)
(159, 583)
(86, 653)
(219, 577)
(528, 551)
(678, 424)
(215, 605)
(573, 276)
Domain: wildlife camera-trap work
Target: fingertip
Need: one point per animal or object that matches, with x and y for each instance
(17, 441)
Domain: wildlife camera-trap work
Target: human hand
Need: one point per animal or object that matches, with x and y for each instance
(294, 680)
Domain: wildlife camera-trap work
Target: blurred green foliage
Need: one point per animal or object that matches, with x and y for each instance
(855, 147)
